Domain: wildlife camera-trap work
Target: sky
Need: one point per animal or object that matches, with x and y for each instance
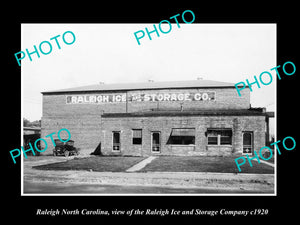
(109, 53)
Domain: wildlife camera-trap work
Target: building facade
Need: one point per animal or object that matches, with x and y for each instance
(198, 117)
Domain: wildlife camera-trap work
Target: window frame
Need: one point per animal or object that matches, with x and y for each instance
(141, 138)
(219, 136)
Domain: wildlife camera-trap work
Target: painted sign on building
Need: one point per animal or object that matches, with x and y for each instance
(140, 97)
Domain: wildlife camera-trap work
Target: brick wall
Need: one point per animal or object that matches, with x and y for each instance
(85, 130)
(225, 98)
(165, 125)
(84, 120)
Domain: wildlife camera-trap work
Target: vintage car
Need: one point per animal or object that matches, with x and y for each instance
(64, 148)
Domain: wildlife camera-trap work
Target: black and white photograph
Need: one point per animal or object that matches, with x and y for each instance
(156, 115)
(171, 115)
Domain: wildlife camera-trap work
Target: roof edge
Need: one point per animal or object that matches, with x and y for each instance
(124, 90)
(233, 112)
(145, 86)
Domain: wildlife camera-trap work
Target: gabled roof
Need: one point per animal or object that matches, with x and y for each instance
(146, 85)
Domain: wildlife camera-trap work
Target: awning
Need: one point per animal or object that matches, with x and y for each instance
(183, 132)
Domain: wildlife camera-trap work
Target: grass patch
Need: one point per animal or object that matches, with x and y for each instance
(215, 164)
(97, 163)
(204, 164)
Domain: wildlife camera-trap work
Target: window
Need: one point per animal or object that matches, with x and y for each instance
(137, 136)
(219, 136)
(212, 137)
(116, 141)
(182, 136)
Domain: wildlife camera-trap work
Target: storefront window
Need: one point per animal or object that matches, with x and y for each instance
(182, 136)
(219, 136)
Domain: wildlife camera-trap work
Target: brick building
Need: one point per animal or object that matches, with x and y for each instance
(199, 117)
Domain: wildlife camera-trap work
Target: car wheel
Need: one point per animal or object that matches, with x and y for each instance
(67, 153)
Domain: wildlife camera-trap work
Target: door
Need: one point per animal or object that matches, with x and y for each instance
(247, 142)
(116, 141)
(155, 142)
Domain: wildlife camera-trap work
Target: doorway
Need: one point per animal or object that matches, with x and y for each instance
(155, 142)
(247, 142)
